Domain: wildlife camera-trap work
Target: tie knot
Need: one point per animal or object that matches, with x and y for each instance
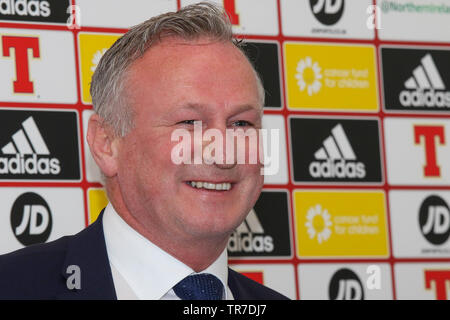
(203, 286)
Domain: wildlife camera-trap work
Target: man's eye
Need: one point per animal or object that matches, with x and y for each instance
(187, 122)
(242, 123)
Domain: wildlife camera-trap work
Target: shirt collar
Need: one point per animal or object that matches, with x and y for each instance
(149, 271)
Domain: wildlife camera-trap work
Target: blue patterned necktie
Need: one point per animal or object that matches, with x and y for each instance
(203, 286)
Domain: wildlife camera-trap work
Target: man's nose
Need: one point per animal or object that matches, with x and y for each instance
(217, 150)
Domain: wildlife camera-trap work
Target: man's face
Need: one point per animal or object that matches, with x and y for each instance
(174, 84)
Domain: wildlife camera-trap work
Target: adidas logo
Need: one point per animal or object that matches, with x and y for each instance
(425, 87)
(22, 8)
(28, 153)
(336, 159)
(249, 236)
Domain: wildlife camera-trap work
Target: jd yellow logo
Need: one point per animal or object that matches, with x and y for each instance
(340, 224)
(92, 46)
(97, 201)
(331, 77)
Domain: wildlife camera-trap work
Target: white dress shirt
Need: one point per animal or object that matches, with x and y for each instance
(142, 270)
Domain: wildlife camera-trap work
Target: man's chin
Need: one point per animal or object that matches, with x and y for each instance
(211, 227)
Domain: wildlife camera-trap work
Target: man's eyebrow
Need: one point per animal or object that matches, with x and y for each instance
(193, 106)
(201, 107)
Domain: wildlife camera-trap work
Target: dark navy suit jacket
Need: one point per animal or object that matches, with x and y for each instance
(41, 271)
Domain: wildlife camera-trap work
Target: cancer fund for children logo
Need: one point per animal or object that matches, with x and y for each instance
(331, 77)
(333, 223)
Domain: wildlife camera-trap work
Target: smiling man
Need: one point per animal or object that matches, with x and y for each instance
(165, 231)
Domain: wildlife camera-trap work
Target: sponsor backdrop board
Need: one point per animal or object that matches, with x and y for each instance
(356, 201)
(332, 223)
(330, 77)
(36, 215)
(420, 223)
(38, 66)
(422, 281)
(416, 79)
(418, 151)
(39, 145)
(47, 12)
(353, 281)
(266, 230)
(280, 277)
(326, 19)
(335, 150)
(418, 20)
(116, 14)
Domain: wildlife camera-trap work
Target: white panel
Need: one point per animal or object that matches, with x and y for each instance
(260, 18)
(279, 277)
(298, 19)
(407, 238)
(314, 280)
(418, 20)
(278, 175)
(66, 209)
(121, 14)
(406, 159)
(52, 73)
(410, 280)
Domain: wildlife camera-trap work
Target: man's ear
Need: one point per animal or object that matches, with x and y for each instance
(104, 145)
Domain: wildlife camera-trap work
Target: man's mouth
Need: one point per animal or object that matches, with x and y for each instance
(224, 186)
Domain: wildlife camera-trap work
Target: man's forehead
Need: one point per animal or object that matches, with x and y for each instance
(175, 49)
(188, 60)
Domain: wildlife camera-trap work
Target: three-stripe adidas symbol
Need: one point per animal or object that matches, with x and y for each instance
(20, 139)
(23, 151)
(425, 86)
(249, 236)
(336, 158)
(336, 146)
(250, 224)
(425, 76)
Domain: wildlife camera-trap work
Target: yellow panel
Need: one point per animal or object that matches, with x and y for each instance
(331, 77)
(340, 224)
(97, 201)
(92, 47)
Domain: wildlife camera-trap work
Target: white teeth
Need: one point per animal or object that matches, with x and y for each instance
(211, 186)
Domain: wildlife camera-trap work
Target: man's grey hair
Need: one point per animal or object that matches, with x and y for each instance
(192, 22)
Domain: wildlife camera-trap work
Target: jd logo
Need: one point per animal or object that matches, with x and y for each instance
(31, 219)
(434, 220)
(345, 285)
(328, 12)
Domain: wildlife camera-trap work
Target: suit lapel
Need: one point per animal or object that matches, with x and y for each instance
(237, 289)
(87, 252)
